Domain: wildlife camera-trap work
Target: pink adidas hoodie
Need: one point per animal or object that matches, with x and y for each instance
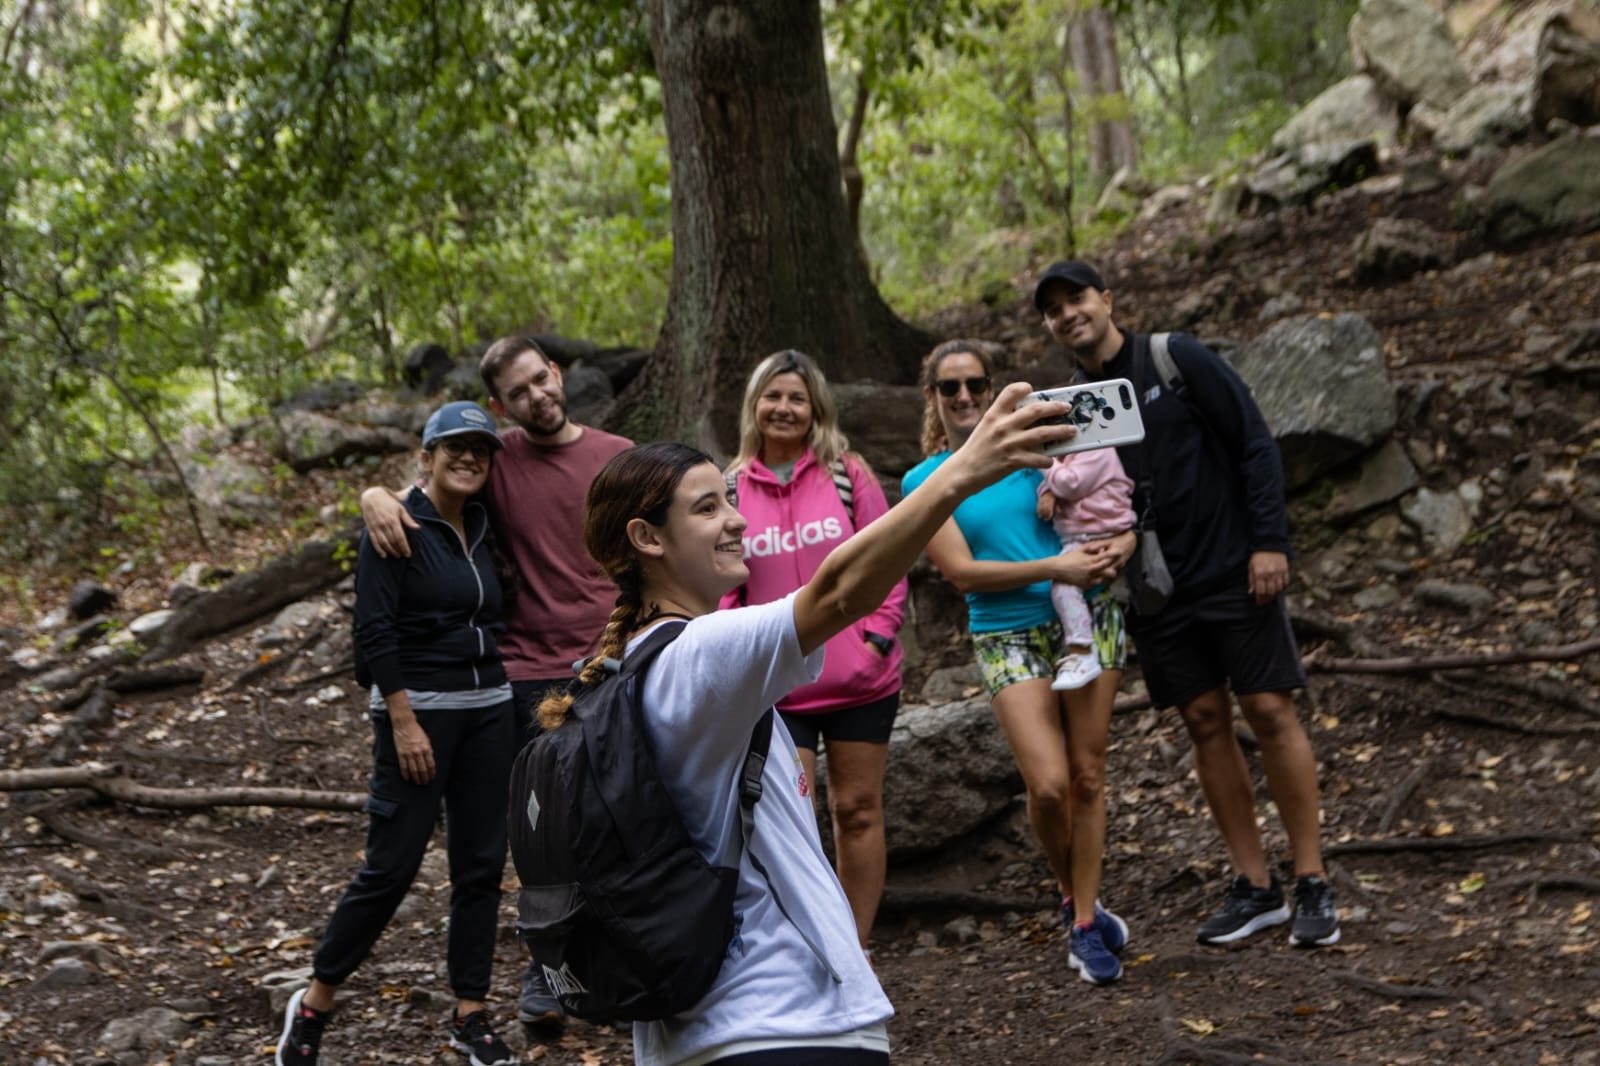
(792, 529)
(1094, 497)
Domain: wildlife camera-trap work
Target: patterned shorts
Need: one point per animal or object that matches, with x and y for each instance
(1009, 656)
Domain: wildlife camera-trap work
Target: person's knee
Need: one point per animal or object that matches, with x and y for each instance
(1050, 793)
(1208, 716)
(856, 810)
(1271, 717)
(1088, 784)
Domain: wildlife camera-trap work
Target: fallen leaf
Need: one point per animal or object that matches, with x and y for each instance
(1199, 1026)
(1474, 882)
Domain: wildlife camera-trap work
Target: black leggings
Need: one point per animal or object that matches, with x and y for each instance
(808, 1056)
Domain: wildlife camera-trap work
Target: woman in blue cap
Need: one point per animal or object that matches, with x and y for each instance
(443, 731)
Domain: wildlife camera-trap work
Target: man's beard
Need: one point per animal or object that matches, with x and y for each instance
(551, 426)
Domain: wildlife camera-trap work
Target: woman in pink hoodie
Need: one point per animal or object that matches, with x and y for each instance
(1086, 496)
(803, 493)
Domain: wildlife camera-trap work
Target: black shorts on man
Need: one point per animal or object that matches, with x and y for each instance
(1193, 647)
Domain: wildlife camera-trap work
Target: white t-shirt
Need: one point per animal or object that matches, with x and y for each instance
(702, 698)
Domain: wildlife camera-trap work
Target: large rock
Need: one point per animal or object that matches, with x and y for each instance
(1443, 518)
(1566, 84)
(426, 367)
(158, 1029)
(950, 774)
(89, 598)
(1395, 248)
(311, 440)
(1407, 49)
(1554, 189)
(1301, 175)
(1486, 117)
(1324, 388)
(1385, 474)
(1351, 110)
(230, 490)
(588, 391)
(883, 422)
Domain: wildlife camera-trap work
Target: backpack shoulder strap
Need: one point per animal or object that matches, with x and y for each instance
(1161, 354)
(847, 489)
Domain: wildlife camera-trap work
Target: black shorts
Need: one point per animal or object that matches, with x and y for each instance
(1192, 648)
(870, 723)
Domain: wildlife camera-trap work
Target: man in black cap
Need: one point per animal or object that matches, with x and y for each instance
(1209, 481)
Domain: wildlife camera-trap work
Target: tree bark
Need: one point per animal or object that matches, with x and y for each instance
(1092, 43)
(763, 254)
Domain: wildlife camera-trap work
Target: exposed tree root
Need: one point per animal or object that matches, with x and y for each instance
(1403, 793)
(908, 900)
(1398, 844)
(109, 782)
(1428, 664)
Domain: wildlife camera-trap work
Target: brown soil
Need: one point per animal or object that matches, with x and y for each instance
(1485, 951)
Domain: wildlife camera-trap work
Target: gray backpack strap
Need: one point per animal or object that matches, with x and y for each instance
(1170, 375)
(847, 491)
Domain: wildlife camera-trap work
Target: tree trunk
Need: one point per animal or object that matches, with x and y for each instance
(1092, 42)
(763, 253)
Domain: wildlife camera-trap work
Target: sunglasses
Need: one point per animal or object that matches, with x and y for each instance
(950, 388)
(455, 448)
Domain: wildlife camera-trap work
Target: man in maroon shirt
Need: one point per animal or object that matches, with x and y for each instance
(559, 600)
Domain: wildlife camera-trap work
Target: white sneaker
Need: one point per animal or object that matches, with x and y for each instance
(1075, 671)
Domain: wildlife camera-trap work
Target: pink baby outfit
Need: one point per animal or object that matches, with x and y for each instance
(1094, 499)
(792, 528)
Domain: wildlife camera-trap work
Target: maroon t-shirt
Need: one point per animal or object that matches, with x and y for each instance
(562, 599)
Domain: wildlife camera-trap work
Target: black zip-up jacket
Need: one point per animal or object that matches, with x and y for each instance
(429, 623)
(1213, 463)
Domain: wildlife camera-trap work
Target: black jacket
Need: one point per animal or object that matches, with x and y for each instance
(1211, 461)
(429, 623)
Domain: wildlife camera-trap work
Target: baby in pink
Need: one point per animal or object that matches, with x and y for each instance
(1086, 496)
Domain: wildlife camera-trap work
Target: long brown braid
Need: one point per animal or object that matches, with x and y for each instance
(933, 435)
(637, 483)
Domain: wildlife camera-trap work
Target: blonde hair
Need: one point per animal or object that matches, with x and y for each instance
(934, 439)
(824, 437)
(637, 483)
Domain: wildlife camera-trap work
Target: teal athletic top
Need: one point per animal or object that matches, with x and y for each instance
(1001, 524)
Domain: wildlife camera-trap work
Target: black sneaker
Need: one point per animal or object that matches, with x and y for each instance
(538, 1009)
(1316, 919)
(474, 1037)
(1247, 909)
(302, 1033)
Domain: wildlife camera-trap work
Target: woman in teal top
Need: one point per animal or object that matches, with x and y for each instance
(996, 550)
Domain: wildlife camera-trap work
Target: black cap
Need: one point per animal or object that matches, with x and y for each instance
(1074, 272)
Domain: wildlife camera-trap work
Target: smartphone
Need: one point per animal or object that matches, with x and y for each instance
(1105, 413)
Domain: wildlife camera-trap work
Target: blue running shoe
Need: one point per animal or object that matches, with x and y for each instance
(1113, 930)
(1087, 953)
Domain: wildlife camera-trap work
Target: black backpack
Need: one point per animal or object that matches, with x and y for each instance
(627, 920)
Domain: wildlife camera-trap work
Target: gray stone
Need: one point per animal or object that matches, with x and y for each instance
(588, 391)
(1351, 110)
(1395, 248)
(1554, 189)
(1441, 517)
(962, 930)
(64, 973)
(86, 633)
(1324, 388)
(290, 623)
(1465, 596)
(276, 988)
(1406, 47)
(89, 598)
(1378, 597)
(426, 367)
(1301, 175)
(883, 422)
(952, 683)
(1486, 117)
(1281, 306)
(409, 417)
(327, 395)
(231, 490)
(145, 628)
(156, 1029)
(1386, 474)
(952, 774)
(311, 440)
(1566, 83)
(1165, 199)
(87, 951)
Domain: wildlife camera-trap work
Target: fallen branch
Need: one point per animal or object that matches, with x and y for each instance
(1394, 990)
(905, 900)
(155, 677)
(1370, 847)
(1539, 690)
(109, 782)
(53, 817)
(1427, 664)
(1557, 881)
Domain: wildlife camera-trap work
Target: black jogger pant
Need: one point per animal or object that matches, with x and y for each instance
(472, 754)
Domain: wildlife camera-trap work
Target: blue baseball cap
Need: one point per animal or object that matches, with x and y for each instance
(459, 419)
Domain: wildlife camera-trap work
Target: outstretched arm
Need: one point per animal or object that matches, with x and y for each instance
(856, 577)
(387, 520)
